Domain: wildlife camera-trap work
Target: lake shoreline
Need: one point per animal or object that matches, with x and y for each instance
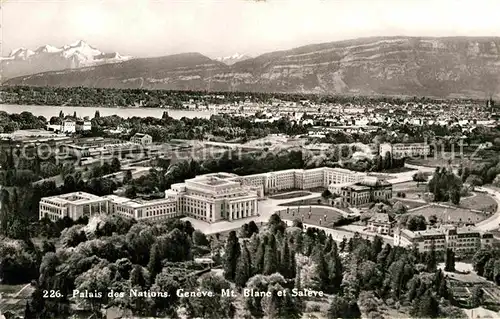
(89, 111)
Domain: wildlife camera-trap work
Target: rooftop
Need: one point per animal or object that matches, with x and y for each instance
(380, 218)
(75, 198)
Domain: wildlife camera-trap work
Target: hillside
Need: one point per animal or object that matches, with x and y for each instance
(439, 67)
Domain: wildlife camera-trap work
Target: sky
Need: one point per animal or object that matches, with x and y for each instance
(145, 28)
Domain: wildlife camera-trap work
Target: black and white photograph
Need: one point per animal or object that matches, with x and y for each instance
(240, 159)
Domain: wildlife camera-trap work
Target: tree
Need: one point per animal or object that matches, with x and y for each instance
(419, 177)
(474, 180)
(166, 283)
(449, 260)
(416, 222)
(155, 261)
(200, 239)
(431, 260)
(270, 257)
(243, 267)
(285, 261)
(115, 165)
(476, 298)
(326, 194)
(425, 306)
(128, 177)
(388, 161)
(252, 228)
(232, 252)
(214, 307)
(321, 269)
(341, 307)
(480, 259)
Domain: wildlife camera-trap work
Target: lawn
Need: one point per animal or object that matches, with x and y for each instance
(290, 195)
(319, 201)
(438, 160)
(317, 216)
(409, 203)
(448, 214)
(482, 202)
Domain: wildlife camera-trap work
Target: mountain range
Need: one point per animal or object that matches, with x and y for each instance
(444, 67)
(24, 61)
(230, 60)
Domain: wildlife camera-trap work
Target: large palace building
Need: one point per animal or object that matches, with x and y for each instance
(211, 197)
(463, 240)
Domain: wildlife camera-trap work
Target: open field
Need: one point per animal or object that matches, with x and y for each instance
(483, 202)
(448, 214)
(317, 216)
(290, 195)
(410, 204)
(440, 159)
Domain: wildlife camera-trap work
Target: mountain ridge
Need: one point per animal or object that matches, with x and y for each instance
(397, 65)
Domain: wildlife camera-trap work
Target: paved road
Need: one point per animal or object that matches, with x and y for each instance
(493, 222)
(408, 176)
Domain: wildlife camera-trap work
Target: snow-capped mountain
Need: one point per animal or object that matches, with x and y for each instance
(23, 61)
(229, 60)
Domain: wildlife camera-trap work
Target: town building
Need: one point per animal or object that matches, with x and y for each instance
(405, 150)
(67, 126)
(83, 125)
(381, 223)
(141, 138)
(462, 240)
(369, 190)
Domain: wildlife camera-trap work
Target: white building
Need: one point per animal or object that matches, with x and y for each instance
(463, 240)
(83, 126)
(215, 197)
(73, 205)
(211, 197)
(141, 209)
(141, 138)
(301, 178)
(66, 126)
(405, 150)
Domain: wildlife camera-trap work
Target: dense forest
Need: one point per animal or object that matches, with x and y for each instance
(354, 276)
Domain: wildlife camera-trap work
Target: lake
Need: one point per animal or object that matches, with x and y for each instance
(49, 111)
